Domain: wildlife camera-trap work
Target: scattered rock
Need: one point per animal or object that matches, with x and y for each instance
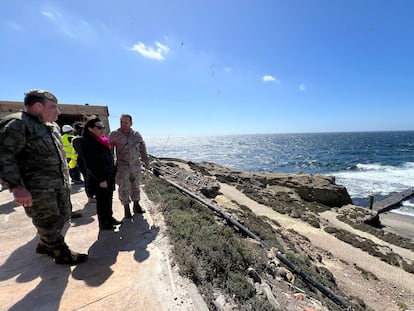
(286, 274)
(269, 295)
(254, 275)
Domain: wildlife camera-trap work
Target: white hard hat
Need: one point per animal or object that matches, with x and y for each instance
(67, 128)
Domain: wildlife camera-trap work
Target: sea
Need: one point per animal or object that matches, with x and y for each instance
(366, 163)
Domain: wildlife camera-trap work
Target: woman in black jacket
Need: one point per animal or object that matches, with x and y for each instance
(101, 170)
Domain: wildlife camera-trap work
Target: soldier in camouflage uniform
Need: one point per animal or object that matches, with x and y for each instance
(33, 166)
(130, 151)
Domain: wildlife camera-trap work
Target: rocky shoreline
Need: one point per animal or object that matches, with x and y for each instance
(340, 235)
(296, 187)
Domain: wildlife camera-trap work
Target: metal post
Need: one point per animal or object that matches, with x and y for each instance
(371, 201)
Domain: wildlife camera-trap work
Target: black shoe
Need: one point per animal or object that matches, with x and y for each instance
(137, 208)
(115, 222)
(64, 256)
(43, 249)
(73, 259)
(107, 227)
(75, 215)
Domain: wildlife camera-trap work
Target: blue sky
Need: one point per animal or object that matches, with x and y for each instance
(187, 67)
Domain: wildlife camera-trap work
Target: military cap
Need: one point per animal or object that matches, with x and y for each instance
(39, 93)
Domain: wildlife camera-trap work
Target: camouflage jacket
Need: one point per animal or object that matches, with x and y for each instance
(130, 150)
(31, 153)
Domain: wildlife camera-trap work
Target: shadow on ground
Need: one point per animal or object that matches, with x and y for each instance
(50, 280)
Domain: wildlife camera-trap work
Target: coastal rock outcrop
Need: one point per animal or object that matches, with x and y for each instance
(313, 188)
(309, 187)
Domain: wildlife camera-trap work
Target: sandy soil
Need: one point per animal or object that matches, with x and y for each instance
(398, 224)
(394, 285)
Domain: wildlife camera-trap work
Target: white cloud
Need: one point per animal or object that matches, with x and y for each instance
(157, 53)
(269, 78)
(302, 87)
(50, 15)
(69, 25)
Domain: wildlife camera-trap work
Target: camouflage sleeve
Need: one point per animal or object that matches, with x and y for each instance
(144, 154)
(12, 141)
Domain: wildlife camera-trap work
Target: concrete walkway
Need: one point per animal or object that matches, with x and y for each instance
(128, 269)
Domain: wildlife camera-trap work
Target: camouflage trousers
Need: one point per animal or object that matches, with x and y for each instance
(51, 209)
(128, 179)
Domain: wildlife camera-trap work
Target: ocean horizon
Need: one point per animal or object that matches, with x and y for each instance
(366, 163)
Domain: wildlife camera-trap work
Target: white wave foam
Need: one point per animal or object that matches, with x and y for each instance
(409, 165)
(379, 179)
(371, 166)
(376, 179)
(404, 211)
(408, 203)
(407, 208)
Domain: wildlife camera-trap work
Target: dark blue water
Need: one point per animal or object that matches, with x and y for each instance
(365, 163)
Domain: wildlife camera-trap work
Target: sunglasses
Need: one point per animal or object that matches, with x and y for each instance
(99, 127)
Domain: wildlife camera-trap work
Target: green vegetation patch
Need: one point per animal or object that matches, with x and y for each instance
(366, 274)
(207, 252)
(388, 237)
(384, 253)
(216, 256)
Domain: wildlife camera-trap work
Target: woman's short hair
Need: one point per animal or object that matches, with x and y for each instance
(90, 124)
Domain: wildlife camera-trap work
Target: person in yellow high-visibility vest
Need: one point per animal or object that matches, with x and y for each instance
(71, 155)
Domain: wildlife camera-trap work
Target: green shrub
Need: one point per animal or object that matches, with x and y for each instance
(240, 286)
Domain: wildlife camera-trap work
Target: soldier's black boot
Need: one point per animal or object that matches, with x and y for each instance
(105, 224)
(127, 211)
(137, 208)
(43, 249)
(64, 256)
